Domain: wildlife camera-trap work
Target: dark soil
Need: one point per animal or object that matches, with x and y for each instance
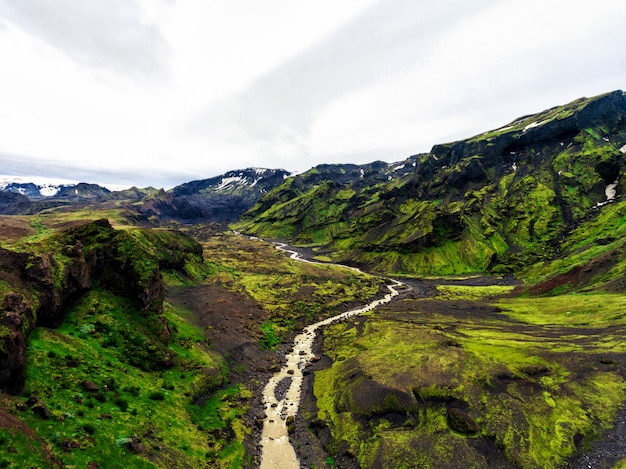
(14, 228)
(230, 319)
(231, 322)
(15, 426)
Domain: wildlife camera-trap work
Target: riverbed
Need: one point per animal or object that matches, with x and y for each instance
(281, 395)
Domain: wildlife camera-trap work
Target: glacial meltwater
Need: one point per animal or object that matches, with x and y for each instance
(277, 451)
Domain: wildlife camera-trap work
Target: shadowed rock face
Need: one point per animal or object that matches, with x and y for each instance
(42, 290)
(13, 346)
(222, 199)
(11, 202)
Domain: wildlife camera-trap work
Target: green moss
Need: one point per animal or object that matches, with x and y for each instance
(457, 292)
(93, 345)
(595, 310)
(271, 335)
(5, 334)
(282, 286)
(521, 383)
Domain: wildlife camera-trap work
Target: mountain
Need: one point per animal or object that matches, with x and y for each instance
(222, 199)
(33, 191)
(13, 203)
(496, 202)
(124, 340)
(82, 192)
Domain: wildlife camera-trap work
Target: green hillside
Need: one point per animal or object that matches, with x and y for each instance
(495, 203)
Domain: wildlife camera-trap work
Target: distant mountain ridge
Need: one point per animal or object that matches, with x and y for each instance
(33, 191)
(222, 199)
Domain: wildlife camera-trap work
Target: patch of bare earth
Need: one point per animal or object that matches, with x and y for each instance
(14, 426)
(13, 228)
(231, 321)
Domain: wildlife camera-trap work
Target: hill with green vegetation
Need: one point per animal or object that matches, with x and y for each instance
(495, 203)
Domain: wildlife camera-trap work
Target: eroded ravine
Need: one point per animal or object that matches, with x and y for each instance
(281, 407)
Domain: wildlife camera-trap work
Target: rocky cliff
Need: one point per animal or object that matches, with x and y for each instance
(39, 284)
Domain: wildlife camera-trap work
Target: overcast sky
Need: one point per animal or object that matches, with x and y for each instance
(159, 92)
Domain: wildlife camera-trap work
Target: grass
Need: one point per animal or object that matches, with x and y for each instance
(573, 310)
(292, 294)
(153, 405)
(458, 292)
(122, 383)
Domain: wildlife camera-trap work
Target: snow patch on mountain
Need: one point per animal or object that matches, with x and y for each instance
(40, 186)
(227, 182)
(34, 186)
(535, 124)
(610, 192)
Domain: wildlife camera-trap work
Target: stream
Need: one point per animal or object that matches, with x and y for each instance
(281, 398)
(282, 406)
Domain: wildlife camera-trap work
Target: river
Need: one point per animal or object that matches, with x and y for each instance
(277, 451)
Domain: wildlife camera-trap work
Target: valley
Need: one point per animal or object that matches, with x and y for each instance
(154, 328)
(281, 412)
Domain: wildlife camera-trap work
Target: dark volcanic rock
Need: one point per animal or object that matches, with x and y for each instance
(13, 343)
(461, 422)
(38, 407)
(90, 386)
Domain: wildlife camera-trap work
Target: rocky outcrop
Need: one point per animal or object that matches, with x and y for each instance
(12, 342)
(41, 289)
(11, 203)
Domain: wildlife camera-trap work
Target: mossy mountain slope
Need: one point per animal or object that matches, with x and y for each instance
(496, 202)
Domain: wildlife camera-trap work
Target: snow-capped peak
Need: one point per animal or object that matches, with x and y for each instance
(34, 186)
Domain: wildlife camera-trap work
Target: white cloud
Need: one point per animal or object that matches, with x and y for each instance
(494, 65)
(110, 35)
(196, 87)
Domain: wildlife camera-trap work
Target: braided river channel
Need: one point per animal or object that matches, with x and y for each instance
(277, 451)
